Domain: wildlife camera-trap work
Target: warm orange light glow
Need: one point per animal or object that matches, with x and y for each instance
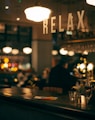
(6, 60)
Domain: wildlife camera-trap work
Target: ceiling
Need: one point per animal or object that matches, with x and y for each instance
(17, 7)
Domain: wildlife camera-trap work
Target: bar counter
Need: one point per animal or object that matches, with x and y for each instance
(31, 104)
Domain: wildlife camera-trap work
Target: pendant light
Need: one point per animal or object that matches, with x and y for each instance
(7, 49)
(90, 2)
(27, 50)
(37, 13)
(15, 51)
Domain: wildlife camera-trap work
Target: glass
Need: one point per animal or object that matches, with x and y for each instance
(72, 95)
(88, 94)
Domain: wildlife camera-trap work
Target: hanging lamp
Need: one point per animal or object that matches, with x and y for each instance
(90, 2)
(37, 13)
(7, 49)
(27, 50)
(15, 51)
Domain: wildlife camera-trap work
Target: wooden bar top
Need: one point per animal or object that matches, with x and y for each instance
(58, 104)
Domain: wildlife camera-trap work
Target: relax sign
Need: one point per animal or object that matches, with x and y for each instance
(70, 23)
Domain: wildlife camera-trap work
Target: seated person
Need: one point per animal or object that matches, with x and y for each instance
(60, 76)
(20, 77)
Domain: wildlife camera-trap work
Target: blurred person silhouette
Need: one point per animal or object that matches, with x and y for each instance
(43, 78)
(60, 76)
(21, 78)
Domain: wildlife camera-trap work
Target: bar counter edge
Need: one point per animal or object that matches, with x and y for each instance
(16, 107)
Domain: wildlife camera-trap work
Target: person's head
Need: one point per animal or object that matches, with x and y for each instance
(64, 62)
(65, 65)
